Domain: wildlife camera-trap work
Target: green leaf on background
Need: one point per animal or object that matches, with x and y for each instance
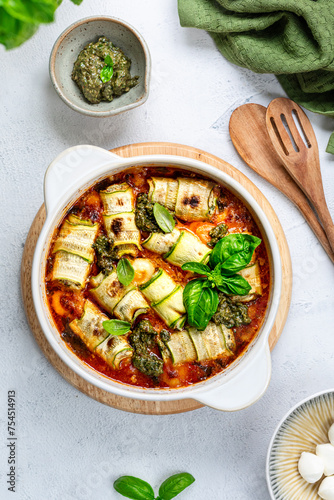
(116, 327)
(14, 32)
(201, 302)
(164, 218)
(174, 485)
(125, 272)
(31, 11)
(108, 69)
(234, 252)
(133, 487)
(20, 19)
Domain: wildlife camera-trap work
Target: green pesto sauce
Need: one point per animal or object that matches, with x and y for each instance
(87, 68)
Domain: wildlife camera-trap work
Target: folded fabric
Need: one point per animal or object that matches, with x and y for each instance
(291, 38)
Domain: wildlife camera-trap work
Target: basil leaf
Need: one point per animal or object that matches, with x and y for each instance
(234, 252)
(31, 11)
(133, 487)
(77, 2)
(196, 267)
(116, 326)
(174, 485)
(125, 271)
(201, 302)
(14, 32)
(234, 285)
(108, 69)
(164, 218)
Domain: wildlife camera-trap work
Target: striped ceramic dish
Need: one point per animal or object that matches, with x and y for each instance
(305, 426)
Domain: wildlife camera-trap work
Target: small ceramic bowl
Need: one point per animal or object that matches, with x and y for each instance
(302, 429)
(66, 50)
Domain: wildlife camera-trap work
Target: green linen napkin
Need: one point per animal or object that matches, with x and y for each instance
(291, 38)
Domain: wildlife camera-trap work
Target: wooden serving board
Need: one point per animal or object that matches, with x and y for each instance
(127, 404)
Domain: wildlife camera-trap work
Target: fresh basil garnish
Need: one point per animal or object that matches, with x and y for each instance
(201, 301)
(164, 218)
(116, 327)
(234, 252)
(196, 267)
(230, 255)
(108, 69)
(133, 487)
(174, 485)
(234, 285)
(137, 489)
(125, 271)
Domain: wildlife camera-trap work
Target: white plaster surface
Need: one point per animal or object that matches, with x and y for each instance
(69, 446)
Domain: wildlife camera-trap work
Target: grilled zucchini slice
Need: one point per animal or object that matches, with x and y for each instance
(109, 291)
(71, 269)
(253, 276)
(171, 308)
(161, 243)
(77, 238)
(195, 199)
(131, 306)
(181, 348)
(89, 327)
(163, 190)
(188, 248)
(114, 349)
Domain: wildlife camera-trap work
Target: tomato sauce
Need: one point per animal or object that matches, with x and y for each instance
(66, 304)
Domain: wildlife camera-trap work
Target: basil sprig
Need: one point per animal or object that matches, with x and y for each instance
(125, 272)
(137, 489)
(163, 218)
(230, 255)
(108, 69)
(116, 326)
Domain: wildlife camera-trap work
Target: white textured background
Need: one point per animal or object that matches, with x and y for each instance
(69, 446)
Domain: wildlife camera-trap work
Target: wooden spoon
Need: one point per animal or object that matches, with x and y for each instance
(250, 137)
(299, 154)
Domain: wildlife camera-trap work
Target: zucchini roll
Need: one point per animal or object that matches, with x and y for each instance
(124, 302)
(190, 199)
(89, 328)
(166, 298)
(178, 247)
(119, 218)
(253, 275)
(193, 345)
(73, 251)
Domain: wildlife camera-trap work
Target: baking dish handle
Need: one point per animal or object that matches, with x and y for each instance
(245, 388)
(69, 167)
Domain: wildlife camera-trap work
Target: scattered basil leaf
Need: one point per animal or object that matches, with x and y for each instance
(174, 485)
(133, 487)
(201, 302)
(196, 267)
(116, 326)
(234, 285)
(164, 218)
(234, 252)
(20, 19)
(125, 271)
(108, 69)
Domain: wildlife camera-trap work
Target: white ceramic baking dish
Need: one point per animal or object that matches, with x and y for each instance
(68, 176)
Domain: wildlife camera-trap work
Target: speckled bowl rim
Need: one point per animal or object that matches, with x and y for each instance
(286, 416)
(97, 113)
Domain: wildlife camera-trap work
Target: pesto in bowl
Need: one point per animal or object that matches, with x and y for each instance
(89, 66)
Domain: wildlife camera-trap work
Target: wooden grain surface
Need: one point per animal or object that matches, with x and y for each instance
(127, 404)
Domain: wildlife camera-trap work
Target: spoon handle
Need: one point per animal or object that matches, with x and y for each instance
(316, 227)
(325, 218)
